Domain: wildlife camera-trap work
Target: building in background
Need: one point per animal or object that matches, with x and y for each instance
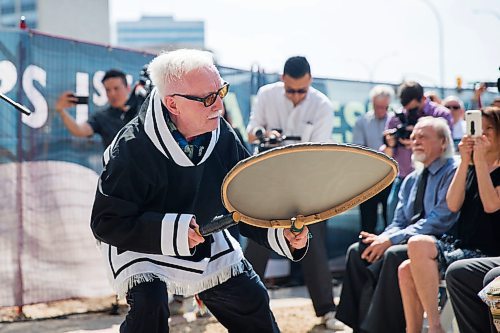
(86, 20)
(156, 33)
(12, 10)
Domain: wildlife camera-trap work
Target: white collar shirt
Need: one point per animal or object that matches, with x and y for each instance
(312, 119)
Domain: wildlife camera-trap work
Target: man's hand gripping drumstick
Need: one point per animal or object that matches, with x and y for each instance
(297, 238)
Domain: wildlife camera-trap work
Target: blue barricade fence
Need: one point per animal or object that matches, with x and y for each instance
(48, 177)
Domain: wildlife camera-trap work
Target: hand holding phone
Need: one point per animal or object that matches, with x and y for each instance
(473, 120)
(81, 99)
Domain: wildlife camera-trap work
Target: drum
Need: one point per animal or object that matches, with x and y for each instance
(304, 183)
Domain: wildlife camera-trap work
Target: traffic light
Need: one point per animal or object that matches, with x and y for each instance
(22, 23)
(459, 83)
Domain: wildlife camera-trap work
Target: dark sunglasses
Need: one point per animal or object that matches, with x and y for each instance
(209, 99)
(454, 107)
(296, 91)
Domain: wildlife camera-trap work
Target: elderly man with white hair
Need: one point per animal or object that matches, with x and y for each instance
(162, 178)
(371, 300)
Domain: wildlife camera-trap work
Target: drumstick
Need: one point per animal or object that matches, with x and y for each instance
(18, 106)
(218, 223)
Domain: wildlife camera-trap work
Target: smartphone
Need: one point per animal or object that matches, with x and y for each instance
(81, 99)
(473, 122)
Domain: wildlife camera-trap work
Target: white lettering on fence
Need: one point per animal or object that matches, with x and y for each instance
(40, 111)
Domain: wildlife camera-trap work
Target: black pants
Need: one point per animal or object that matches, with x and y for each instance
(464, 279)
(370, 300)
(315, 268)
(241, 304)
(369, 211)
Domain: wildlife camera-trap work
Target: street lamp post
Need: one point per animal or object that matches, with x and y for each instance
(371, 68)
(379, 61)
(440, 42)
(426, 80)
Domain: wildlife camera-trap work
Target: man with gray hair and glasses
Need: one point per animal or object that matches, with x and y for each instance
(368, 132)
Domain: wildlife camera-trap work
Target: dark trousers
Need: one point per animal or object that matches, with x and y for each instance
(464, 279)
(369, 211)
(370, 300)
(241, 304)
(149, 311)
(315, 268)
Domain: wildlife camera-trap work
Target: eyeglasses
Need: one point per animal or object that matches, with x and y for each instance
(453, 107)
(296, 91)
(380, 107)
(209, 99)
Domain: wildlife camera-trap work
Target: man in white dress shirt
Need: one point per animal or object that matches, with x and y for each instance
(292, 107)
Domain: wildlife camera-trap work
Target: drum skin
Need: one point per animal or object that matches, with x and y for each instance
(310, 182)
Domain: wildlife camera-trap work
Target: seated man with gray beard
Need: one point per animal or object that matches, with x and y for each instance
(370, 300)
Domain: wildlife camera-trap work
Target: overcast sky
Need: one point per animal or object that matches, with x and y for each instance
(385, 40)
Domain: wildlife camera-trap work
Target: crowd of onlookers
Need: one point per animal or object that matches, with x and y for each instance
(443, 213)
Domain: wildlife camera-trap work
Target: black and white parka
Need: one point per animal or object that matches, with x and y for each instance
(148, 192)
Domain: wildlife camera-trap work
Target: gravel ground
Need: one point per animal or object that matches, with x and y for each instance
(291, 306)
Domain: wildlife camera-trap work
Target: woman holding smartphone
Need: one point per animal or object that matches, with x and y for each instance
(475, 192)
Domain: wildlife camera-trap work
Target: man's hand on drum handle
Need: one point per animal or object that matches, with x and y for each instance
(193, 237)
(297, 241)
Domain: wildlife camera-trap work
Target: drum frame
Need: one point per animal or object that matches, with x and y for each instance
(300, 220)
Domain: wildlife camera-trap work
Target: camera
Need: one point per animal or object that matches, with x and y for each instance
(140, 91)
(145, 81)
(404, 129)
(263, 142)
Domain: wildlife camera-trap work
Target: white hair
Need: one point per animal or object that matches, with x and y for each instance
(168, 68)
(381, 90)
(453, 98)
(442, 129)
